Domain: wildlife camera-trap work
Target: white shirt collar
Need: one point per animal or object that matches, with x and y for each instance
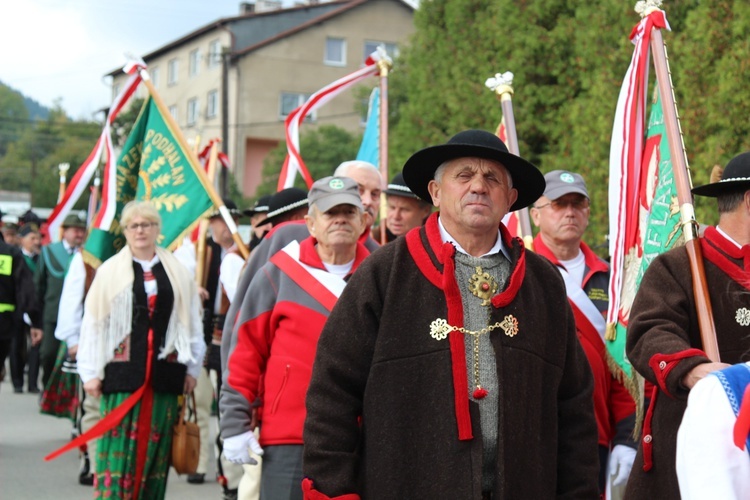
(728, 237)
(499, 246)
(147, 265)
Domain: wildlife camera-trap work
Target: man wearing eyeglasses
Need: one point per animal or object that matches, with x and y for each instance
(562, 215)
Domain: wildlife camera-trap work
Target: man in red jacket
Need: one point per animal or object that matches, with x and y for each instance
(292, 295)
(562, 215)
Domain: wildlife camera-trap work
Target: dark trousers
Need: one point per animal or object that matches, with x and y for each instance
(281, 476)
(4, 351)
(23, 354)
(48, 351)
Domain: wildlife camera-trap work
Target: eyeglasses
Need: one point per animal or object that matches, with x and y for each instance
(142, 225)
(562, 204)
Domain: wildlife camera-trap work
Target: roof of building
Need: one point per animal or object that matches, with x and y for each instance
(256, 29)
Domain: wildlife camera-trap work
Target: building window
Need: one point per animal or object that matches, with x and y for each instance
(290, 101)
(154, 72)
(194, 62)
(173, 66)
(335, 52)
(372, 45)
(192, 111)
(214, 53)
(212, 106)
(173, 112)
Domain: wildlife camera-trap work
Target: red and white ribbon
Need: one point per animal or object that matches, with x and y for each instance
(626, 153)
(86, 171)
(293, 163)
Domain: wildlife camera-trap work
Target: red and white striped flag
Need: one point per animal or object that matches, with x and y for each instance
(510, 221)
(626, 156)
(293, 163)
(86, 171)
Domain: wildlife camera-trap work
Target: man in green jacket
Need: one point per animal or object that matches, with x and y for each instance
(48, 280)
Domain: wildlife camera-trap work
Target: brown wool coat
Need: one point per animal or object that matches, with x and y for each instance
(376, 359)
(663, 321)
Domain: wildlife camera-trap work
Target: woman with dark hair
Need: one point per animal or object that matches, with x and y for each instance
(141, 346)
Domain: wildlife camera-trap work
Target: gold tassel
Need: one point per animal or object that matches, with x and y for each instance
(611, 332)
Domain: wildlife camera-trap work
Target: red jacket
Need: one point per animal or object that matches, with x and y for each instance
(613, 405)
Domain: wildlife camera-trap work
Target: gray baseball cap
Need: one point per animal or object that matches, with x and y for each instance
(328, 192)
(562, 182)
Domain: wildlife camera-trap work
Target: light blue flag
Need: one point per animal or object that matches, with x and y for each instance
(369, 150)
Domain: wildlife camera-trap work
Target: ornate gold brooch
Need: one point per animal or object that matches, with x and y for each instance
(482, 285)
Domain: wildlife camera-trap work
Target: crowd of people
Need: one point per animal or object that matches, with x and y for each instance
(430, 356)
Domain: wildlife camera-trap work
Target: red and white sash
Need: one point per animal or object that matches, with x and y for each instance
(318, 283)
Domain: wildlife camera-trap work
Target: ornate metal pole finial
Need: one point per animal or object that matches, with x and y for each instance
(501, 83)
(646, 7)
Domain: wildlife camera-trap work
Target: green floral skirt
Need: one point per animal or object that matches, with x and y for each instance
(117, 450)
(61, 395)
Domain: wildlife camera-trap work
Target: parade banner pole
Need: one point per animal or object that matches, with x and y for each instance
(683, 185)
(194, 160)
(384, 65)
(502, 86)
(200, 244)
(63, 168)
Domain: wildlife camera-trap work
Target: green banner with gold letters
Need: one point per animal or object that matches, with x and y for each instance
(153, 166)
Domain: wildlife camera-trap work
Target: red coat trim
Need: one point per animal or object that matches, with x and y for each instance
(663, 364)
(310, 493)
(458, 348)
(647, 439)
(438, 268)
(713, 244)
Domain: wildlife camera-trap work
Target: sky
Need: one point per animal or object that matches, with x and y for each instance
(61, 49)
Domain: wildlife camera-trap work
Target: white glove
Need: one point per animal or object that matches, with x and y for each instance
(621, 460)
(236, 448)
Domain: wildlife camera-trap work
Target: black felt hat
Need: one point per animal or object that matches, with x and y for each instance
(736, 175)
(285, 201)
(260, 206)
(231, 207)
(420, 169)
(398, 187)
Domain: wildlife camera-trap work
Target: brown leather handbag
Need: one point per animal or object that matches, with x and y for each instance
(186, 439)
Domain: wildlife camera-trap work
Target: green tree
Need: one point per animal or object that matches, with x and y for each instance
(323, 149)
(14, 117)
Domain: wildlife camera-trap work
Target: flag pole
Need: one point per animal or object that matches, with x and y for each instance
(200, 244)
(684, 196)
(195, 164)
(384, 65)
(502, 86)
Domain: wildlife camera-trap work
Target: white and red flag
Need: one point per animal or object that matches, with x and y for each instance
(85, 172)
(294, 163)
(641, 188)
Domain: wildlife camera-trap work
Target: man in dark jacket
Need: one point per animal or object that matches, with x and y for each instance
(663, 340)
(450, 367)
(17, 296)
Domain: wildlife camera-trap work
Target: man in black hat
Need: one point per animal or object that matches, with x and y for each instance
(405, 210)
(23, 354)
(48, 279)
(257, 213)
(663, 340)
(450, 366)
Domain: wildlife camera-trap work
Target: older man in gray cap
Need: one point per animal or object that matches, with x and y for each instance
(291, 297)
(562, 215)
(450, 366)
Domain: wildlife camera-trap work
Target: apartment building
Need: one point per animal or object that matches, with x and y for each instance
(238, 78)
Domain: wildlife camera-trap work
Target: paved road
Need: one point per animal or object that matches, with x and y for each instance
(26, 436)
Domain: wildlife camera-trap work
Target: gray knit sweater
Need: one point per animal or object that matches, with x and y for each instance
(475, 318)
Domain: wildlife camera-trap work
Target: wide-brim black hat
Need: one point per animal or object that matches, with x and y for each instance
(420, 169)
(398, 187)
(231, 207)
(736, 176)
(283, 202)
(260, 206)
